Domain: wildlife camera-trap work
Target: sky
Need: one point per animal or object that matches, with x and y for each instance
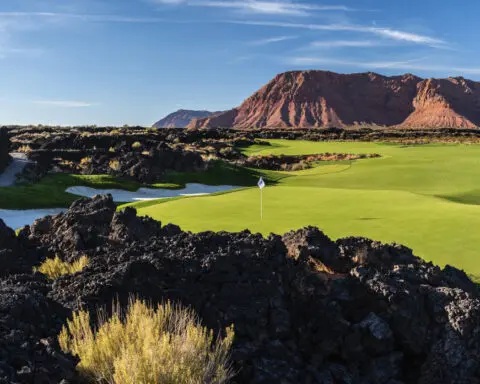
(106, 62)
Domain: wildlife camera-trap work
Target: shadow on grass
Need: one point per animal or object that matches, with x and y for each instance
(469, 198)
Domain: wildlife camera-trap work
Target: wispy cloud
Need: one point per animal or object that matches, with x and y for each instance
(28, 52)
(344, 43)
(382, 32)
(64, 103)
(85, 17)
(409, 65)
(271, 40)
(240, 59)
(262, 7)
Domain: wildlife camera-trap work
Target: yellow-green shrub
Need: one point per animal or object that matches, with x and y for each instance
(115, 165)
(166, 345)
(86, 161)
(54, 268)
(136, 145)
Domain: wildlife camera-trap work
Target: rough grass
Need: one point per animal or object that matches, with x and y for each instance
(424, 196)
(54, 268)
(163, 345)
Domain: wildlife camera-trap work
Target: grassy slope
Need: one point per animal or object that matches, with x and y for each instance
(395, 198)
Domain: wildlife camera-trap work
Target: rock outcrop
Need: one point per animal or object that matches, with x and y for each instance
(181, 118)
(306, 309)
(452, 102)
(4, 149)
(311, 99)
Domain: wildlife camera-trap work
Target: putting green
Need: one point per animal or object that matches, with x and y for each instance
(422, 196)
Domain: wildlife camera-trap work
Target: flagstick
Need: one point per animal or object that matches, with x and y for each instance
(261, 203)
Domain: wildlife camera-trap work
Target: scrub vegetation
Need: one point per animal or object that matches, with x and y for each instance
(162, 345)
(55, 268)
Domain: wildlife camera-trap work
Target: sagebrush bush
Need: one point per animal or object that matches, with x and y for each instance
(54, 268)
(136, 145)
(163, 345)
(115, 165)
(86, 161)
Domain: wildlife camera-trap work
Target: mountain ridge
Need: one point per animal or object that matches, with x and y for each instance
(181, 118)
(317, 99)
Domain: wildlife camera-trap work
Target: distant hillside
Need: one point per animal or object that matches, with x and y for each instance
(309, 99)
(181, 118)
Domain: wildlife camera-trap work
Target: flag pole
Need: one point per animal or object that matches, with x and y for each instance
(261, 204)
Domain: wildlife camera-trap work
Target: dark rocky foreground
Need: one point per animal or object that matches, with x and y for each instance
(4, 149)
(305, 309)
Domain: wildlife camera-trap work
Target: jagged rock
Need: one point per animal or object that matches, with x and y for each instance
(29, 323)
(305, 309)
(4, 149)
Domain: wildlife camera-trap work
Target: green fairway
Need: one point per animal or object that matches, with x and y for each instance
(422, 196)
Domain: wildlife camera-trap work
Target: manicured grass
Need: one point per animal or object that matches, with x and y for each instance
(425, 197)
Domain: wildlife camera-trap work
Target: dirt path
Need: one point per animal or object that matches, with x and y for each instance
(19, 162)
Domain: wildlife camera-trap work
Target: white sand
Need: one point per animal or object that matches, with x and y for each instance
(151, 193)
(18, 219)
(19, 162)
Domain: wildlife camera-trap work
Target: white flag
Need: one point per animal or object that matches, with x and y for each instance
(261, 183)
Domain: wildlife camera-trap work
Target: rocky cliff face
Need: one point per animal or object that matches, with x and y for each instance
(306, 99)
(4, 149)
(452, 102)
(306, 309)
(181, 118)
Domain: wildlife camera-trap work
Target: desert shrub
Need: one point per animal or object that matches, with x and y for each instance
(86, 161)
(136, 145)
(147, 345)
(54, 268)
(115, 165)
(112, 150)
(299, 166)
(24, 148)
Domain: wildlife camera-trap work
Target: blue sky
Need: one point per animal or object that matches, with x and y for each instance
(133, 61)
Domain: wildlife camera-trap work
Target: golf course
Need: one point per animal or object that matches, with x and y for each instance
(423, 196)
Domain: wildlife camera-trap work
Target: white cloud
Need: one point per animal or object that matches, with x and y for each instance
(64, 103)
(240, 59)
(383, 32)
(271, 40)
(83, 17)
(343, 43)
(409, 65)
(262, 7)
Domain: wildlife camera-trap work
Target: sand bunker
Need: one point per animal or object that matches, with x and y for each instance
(151, 193)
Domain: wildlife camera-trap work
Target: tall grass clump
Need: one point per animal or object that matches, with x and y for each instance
(162, 345)
(54, 268)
